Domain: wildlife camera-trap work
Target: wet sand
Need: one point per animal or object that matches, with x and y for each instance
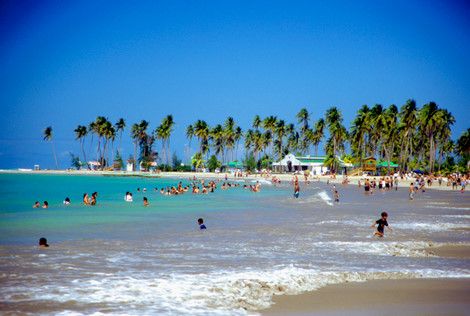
(452, 251)
(380, 297)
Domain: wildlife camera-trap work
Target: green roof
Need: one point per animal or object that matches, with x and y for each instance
(385, 164)
(311, 160)
(235, 164)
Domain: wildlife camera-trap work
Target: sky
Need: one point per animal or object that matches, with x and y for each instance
(62, 63)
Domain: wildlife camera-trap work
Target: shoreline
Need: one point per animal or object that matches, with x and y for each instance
(353, 180)
(446, 296)
(414, 296)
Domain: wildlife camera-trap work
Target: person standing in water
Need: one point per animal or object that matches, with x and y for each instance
(412, 191)
(381, 223)
(296, 188)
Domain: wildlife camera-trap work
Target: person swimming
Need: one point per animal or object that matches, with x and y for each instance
(36, 204)
(45, 204)
(94, 195)
(67, 201)
(128, 197)
(146, 202)
(86, 199)
(43, 243)
(200, 222)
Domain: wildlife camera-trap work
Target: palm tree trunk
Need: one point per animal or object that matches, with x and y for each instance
(55, 156)
(83, 152)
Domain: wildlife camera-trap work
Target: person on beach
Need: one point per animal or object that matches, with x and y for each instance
(45, 204)
(200, 222)
(67, 201)
(146, 202)
(36, 204)
(43, 243)
(86, 199)
(381, 223)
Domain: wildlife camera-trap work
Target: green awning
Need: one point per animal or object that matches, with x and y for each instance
(235, 164)
(386, 164)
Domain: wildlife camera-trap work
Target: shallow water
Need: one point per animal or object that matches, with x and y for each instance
(123, 258)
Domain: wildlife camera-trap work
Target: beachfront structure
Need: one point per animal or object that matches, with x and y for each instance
(290, 163)
(369, 164)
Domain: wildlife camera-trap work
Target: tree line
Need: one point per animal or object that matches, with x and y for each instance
(411, 136)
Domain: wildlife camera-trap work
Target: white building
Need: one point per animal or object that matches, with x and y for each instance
(291, 163)
(316, 164)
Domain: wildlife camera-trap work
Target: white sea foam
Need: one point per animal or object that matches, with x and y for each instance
(262, 181)
(448, 207)
(400, 249)
(430, 226)
(221, 293)
(325, 197)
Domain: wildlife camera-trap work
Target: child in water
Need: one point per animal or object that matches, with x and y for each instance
(200, 222)
(382, 222)
(43, 243)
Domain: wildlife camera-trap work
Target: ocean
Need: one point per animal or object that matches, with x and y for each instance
(124, 258)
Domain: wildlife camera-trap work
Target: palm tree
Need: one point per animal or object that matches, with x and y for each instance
(280, 133)
(167, 129)
(390, 132)
(189, 133)
(256, 122)
(218, 140)
(238, 135)
(80, 134)
(302, 118)
(229, 134)
(359, 130)
(429, 119)
(378, 124)
(338, 133)
(269, 124)
(407, 127)
(462, 146)
(47, 135)
(201, 130)
(140, 137)
(318, 134)
(443, 133)
(119, 127)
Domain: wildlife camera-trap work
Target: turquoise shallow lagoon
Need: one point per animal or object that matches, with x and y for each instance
(124, 258)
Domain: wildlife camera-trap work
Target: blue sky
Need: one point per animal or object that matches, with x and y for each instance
(62, 63)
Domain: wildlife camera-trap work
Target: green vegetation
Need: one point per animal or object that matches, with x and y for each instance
(410, 136)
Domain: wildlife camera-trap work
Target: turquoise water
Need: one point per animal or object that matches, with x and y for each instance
(124, 258)
(112, 217)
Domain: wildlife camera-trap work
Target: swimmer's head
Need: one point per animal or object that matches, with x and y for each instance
(43, 242)
(200, 221)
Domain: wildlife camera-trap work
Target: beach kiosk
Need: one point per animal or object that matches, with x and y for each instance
(369, 164)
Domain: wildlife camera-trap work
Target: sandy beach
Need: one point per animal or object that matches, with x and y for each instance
(380, 297)
(385, 297)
